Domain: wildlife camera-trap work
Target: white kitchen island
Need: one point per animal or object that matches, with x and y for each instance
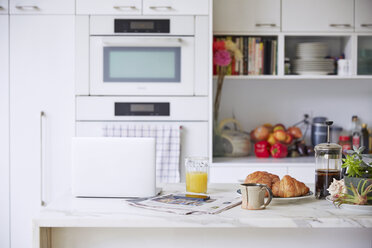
(112, 223)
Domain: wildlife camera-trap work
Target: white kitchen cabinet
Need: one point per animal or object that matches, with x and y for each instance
(41, 80)
(178, 7)
(363, 16)
(239, 16)
(4, 7)
(37, 7)
(4, 131)
(318, 15)
(109, 7)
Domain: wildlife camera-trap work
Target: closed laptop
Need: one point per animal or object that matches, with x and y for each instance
(113, 167)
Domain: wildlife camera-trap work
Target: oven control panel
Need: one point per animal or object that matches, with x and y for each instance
(142, 108)
(141, 26)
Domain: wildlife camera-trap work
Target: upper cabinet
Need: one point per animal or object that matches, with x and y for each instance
(109, 7)
(363, 15)
(176, 7)
(239, 16)
(35, 7)
(4, 7)
(139, 7)
(319, 15)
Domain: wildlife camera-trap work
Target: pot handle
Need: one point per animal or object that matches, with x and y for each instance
(224, 122)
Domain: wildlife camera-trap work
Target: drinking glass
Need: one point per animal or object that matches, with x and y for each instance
(197, 169)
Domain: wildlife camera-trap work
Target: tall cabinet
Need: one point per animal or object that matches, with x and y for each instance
(41, 109)
(4, 124)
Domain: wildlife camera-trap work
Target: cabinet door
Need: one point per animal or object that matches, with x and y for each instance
(41, 79)
(106, 7)
(318, 15)
(246, 16)
(363, 16)
(4, 131)
(4, 9)
(35, 7)
(178, 7)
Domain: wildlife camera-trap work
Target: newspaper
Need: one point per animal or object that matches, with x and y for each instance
(173, 203)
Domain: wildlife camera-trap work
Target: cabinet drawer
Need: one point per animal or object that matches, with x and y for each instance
(42, 7)
(105, 7)
(4, 7)
(363, 17)
(318, 15)
(246, 16)
(175, 7)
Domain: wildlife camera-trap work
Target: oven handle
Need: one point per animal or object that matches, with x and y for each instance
(163, 42)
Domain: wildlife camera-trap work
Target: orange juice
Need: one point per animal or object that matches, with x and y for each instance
(196, 181)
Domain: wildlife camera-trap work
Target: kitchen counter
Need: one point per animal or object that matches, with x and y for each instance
(99, 214)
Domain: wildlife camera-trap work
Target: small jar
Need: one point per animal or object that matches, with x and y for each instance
(345, 142)
(287, 66)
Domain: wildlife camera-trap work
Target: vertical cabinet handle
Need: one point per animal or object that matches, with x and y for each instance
(42, 160)
(27, 7)
(366, 25)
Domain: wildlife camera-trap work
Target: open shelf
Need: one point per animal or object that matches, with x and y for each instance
(262, 162)
(266, 77)
(365, 55)
(336, 47)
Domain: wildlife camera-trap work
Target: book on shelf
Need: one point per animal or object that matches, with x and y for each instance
(259, 55)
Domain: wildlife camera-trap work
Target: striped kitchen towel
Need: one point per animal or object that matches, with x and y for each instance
(168, 145)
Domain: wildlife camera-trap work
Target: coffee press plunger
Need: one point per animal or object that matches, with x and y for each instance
(328, 161)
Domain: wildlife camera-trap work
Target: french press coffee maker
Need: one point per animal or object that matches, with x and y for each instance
(328, 161)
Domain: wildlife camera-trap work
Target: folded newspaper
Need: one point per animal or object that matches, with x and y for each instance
(172, 203)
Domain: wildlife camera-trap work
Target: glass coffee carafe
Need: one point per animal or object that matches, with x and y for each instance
(328, 161)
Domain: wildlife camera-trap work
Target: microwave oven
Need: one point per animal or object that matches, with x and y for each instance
(146, 55)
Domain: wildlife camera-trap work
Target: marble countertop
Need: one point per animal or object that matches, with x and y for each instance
(305, 213)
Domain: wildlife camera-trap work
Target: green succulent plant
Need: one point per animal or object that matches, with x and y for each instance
(355, 165)
(355, 198)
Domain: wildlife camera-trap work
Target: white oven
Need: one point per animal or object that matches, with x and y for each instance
(143, 56)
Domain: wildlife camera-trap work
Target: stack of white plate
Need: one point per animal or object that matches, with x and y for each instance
(310, 59)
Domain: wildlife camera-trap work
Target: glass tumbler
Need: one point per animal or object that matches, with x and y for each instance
(197, 169)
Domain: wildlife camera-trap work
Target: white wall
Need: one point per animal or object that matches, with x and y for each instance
(255, 102)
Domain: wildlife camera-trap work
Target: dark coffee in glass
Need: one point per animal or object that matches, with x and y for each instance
(323, 179)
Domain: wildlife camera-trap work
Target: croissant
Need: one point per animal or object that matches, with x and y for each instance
(289, 187)
(262, 177)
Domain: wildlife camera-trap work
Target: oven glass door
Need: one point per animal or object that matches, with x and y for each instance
(158, 64)
(142, 66)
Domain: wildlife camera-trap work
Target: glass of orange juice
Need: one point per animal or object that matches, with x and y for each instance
(197, 174)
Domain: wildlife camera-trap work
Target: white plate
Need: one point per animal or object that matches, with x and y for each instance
(352, 207)
(276, 198)
(312, 72)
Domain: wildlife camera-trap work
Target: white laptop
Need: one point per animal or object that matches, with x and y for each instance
(113, 167)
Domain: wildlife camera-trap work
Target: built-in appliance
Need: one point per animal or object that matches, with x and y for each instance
(147, 55)
(107, 116)
(136, 73)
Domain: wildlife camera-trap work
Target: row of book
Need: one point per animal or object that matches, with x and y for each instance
(259, 56)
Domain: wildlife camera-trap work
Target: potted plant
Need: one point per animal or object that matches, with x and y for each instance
(357, 179)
